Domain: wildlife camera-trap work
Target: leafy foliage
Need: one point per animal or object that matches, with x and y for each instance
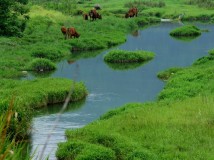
(13, 17)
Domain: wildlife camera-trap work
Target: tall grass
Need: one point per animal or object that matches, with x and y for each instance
(181, 130)
(202, 3)
(32, 94)
(10, 148)
(145, 4)
(64, 6)
(41, 64)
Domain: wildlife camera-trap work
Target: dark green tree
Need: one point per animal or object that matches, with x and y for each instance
(13, 17)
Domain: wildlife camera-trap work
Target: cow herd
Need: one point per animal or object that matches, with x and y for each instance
(93, 15)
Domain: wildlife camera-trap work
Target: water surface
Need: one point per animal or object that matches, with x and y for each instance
(109, 88)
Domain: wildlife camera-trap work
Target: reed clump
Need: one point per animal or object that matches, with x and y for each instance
(41, 64)
(185, 31)
(123, 56)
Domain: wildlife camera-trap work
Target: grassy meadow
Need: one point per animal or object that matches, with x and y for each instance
(140, 131)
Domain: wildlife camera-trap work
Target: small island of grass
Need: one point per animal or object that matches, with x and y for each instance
(122, 56)
(186, 31)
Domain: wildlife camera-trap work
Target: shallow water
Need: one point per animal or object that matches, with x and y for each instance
(109, 88)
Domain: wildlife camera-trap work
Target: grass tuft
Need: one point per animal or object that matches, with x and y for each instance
(122, 56)
(187, 30)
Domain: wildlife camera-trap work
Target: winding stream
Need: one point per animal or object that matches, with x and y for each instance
(109, 88)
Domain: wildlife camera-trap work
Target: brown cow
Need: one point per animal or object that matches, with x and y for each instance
(64, 31)
(131, 13)
(85, 16)
(71, 32)
(94, 15)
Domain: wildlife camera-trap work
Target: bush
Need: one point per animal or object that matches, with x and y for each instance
(13, 17)
(41, 64)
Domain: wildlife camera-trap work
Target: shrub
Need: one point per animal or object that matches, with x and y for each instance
(188, 30)
(121, 56)
(41, 64)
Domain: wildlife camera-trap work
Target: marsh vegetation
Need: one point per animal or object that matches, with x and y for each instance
(122, 56)
(186, 31)
(31, 40)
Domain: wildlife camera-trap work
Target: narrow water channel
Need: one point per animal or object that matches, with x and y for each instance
(110, 88)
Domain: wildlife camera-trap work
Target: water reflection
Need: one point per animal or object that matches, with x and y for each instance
(83, 55)
(186, 39)
(43, 74)
(136, 33)
(55, 109)
(124, 66)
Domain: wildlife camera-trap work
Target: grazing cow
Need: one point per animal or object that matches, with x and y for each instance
(131, 13)
(85, 16)
(71, 32)
(94, 15)
(64, 31)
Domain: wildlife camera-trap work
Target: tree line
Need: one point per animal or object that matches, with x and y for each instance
(13, 17)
